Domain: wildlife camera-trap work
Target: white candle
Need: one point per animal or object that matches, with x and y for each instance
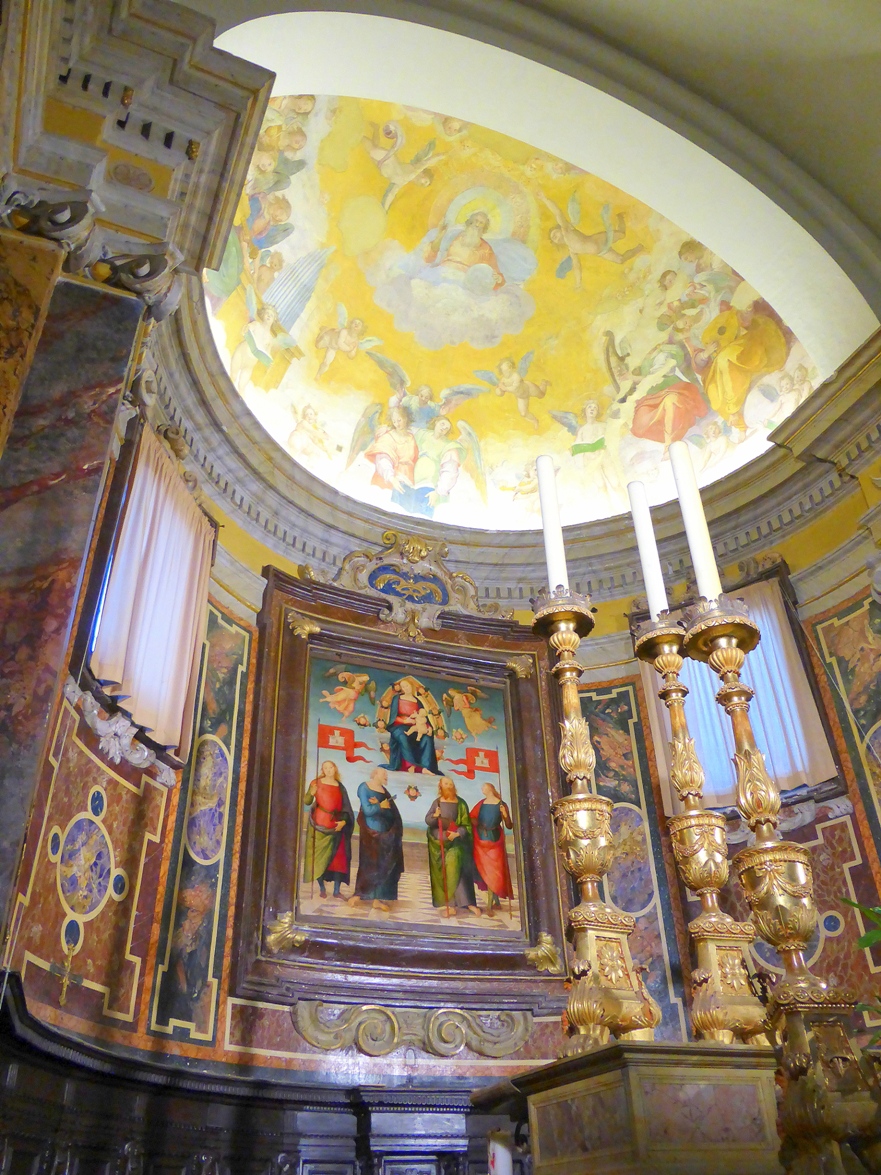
(500, 1157)
(555, 552)
(648, 549)
(700, 544)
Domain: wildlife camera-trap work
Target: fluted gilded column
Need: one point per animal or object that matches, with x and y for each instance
(608, 996)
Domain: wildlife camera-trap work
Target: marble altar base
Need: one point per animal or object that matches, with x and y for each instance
(636, 1107)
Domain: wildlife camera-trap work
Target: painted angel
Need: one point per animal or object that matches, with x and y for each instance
(347, 336)
(383, 147)
(442, 454)
(463, 702)
(350, 689)
(511, 377)
(579, 244)
(262, 340)
(419, 402)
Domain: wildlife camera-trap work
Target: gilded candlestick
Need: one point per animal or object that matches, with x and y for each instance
(775, 874)
(608, 996)
(724, 1007)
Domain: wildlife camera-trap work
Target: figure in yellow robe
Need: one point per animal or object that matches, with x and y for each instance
(740, 355)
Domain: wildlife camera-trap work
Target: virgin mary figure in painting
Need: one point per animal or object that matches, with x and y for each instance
(380, 844)
(413, 719)
(450, 852)
(328, 855)
(490, 817)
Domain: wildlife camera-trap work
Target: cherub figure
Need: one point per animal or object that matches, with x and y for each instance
(347, 336)
(579, 244)
(395, 170)
(511, 378)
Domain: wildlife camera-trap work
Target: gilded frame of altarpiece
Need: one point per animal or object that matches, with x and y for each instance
(293, 945)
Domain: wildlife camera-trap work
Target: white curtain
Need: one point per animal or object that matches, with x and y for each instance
(152, 620)
(784, 714)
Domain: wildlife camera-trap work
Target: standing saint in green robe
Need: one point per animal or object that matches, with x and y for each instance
(451, 852)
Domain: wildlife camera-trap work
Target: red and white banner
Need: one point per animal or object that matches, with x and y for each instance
(476, 759)
(341, 738)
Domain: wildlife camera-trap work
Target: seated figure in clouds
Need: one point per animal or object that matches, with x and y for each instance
(461, 248)
(459, 284)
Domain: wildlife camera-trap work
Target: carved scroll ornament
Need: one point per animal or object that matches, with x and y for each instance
(377, 1030)
(411, 576)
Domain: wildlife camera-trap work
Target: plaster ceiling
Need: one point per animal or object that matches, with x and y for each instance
(378, 288)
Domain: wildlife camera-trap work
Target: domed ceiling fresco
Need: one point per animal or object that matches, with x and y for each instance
(416, 307)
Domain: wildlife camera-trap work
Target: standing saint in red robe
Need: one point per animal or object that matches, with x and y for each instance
(489, 819)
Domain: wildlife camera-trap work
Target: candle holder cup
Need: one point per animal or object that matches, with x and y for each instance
(608, 997)
(724, 1006)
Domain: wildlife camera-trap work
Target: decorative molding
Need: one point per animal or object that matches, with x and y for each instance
(411, 576)
(116, 735)
(376, 1030)
(522, 666)
(301, 626)
(170, 99)
(544, 956)
(282, 934)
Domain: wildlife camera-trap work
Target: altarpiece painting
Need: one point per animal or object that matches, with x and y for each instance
(399, 832)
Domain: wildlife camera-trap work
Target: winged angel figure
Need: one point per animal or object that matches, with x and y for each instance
(262, 340)
(463, 702)
(415, 453)
(507, 377)
(347, 336)
(396, 171)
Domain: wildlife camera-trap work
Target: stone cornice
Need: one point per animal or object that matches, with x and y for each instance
(166, 96)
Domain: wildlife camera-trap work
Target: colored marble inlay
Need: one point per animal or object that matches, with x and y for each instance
(50, 481)
(637, 881)
(703, 1112)
(84, 867)
(574, 1126)
(194, 920)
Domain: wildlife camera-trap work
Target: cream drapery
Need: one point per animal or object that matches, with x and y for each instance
(784, 714)
(148, 641)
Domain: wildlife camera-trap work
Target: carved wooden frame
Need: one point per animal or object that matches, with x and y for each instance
(367, 964)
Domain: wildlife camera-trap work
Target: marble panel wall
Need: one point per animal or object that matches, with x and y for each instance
(29, 268)
(639, 881)
(51, 478)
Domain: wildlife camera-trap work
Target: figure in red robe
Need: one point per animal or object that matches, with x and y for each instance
(489, 819)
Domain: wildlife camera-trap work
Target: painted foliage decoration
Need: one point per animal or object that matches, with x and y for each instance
(416, 307)
(407, 798)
